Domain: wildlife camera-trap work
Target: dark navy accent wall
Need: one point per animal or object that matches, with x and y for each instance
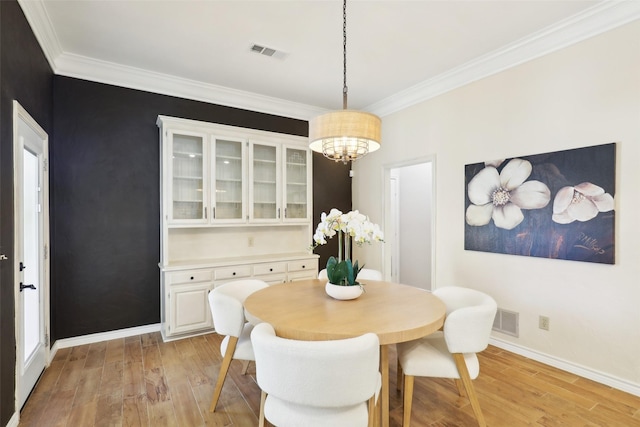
(106, 185)
(25, 76)
(106, 245)
(331, 189)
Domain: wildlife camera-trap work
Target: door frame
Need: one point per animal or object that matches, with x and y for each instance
(390, 221)
(19, 113)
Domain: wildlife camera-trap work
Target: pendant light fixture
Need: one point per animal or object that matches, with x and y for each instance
(345, 135)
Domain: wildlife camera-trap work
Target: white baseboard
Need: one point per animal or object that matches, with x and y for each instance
(14, 420)
(101, 336)
(592, 374)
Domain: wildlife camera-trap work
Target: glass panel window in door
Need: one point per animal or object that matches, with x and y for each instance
(188, 162)
(264, 182)
(228, 186)
(296, 183)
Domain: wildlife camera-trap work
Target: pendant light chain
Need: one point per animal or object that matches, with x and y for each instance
(344, 54)
(345, 135)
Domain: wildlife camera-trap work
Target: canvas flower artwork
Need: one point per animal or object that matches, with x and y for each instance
(552, 205)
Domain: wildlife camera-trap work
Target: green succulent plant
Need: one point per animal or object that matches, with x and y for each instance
(342, 273)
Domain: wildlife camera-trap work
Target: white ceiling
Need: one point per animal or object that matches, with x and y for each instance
(396, 50)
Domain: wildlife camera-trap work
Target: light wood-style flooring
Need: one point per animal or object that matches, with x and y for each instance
(142, 381)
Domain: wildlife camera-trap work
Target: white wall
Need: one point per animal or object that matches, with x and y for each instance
(583, 95)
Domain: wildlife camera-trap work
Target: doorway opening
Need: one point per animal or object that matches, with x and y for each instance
(410, 222)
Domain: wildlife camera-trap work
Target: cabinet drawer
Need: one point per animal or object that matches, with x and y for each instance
(303, 265)
(232, 272)
(260, 269)
(189, 277)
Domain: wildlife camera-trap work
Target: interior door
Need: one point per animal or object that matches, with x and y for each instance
(31, 247)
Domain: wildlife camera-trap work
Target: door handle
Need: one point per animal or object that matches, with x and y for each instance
(22, 266)
(26, 287)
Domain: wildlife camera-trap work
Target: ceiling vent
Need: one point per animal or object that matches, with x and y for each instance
(267, 51)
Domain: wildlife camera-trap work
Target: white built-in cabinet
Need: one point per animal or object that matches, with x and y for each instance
(235, 204)
(220, 175)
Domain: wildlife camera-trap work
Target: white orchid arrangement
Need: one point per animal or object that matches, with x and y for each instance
(355, 227)
(350, 227)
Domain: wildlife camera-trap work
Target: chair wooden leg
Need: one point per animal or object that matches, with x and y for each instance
(408, 398)
(245, 366)
(224, 368)
(399, 377)
(376, 413)
(263, 398)
(468, 385)
(372, 411)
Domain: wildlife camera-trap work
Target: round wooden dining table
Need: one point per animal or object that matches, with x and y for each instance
(395, 313)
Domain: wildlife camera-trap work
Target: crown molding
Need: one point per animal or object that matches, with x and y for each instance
(591, 22)
(82, 67)
(602, 17)
(42, 28)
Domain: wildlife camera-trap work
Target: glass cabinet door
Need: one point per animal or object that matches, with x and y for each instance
(188, 178)
(264, 182)
(228, 185)
(296, 183)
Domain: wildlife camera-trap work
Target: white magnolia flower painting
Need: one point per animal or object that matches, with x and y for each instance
(552, 205)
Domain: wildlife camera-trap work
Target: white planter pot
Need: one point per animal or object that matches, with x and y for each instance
(343, 292)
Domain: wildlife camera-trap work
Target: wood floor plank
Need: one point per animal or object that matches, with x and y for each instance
(203, 395)
(134, 411)
(115, 351)
(192, 364)
(604, 412)
(32, 411)
(545, 383)
(161, 414)
(133, 379)
(185, 405)
(57, 409)
(83, 414)
(50, 376)
(70, 375)
(88, 386)
(608, 393)
(143, 381)
(151, 338)
(133, 351)
(96, 355)
(79, 353)
(109, 409)
(156, 387)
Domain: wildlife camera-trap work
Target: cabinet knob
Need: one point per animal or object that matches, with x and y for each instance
(271, 269)
(303, 266)
(234, 273)
(191, 277)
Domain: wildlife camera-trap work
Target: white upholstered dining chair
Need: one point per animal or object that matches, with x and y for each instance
(226, 303)
(316, 383)
(450, 353)
(368, 273)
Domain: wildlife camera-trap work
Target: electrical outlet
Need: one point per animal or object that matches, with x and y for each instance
(543, 323)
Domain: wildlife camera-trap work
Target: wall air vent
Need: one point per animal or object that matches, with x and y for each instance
(267, 51)
(506, 322)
